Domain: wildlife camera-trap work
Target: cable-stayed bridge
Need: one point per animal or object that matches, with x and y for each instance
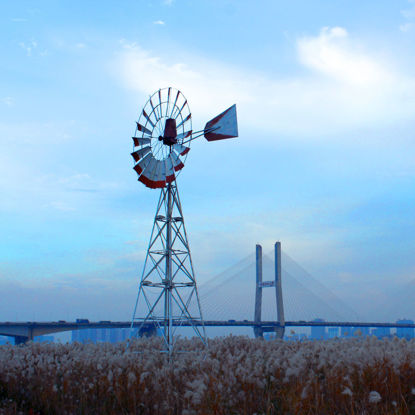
(246, 295)
(231, 295)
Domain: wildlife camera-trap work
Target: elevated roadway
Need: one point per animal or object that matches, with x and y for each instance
(25, 331)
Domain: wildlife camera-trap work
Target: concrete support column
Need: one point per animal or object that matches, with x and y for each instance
(258, 293)
(279, 331)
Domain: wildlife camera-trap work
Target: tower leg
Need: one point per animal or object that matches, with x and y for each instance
(168, 322)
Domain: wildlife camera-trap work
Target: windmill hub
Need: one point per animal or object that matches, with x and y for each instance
(170, 133)
(168, 290)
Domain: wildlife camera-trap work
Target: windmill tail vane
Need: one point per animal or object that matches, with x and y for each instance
(167, 296)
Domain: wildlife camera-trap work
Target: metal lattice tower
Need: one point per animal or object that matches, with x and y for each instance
(167, 296)
(168, 291)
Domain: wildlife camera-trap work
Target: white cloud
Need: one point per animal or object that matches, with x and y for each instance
(32, 46)
(27, 174)
(408, 14)
(9, 101)
(159, 22)
(330, 54)
(406, 27)
(18, 19)
(28, 47)
(345, 87)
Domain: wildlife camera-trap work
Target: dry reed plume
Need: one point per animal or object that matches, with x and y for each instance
(237, 376)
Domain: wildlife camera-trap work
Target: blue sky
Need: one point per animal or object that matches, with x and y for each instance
(325, 92)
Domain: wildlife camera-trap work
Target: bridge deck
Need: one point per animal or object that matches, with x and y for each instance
(31, 329)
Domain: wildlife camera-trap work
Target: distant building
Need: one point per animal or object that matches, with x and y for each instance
(118, 335)
(346, 332)
(41, 339)
(405, 332)
(293, 336)
(365, 331)
(381, 332)
(84, 336)
(5, 340)
(318, 332)
(333, 332)
(360, 331)
(100, 335)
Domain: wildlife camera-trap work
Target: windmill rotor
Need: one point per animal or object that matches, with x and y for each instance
(161, 143)
(159, 151)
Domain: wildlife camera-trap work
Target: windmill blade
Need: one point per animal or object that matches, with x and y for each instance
(142, 164)
(161, 107)
(184, 135)
(139, 154)
(168, 101)
(148, 118)
(145, 180)
(156, 180)
(160, 175)
(177, 163)
(141, 141)
(169, 169)
(223, 126)
(154, 109)
(174, 105)
(147, 176)
(151, 168)
(143, 129)
(163, 171)
(181, 149)
(184, 120)
(180, 110)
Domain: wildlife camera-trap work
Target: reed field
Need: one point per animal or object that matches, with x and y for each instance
(237, 375)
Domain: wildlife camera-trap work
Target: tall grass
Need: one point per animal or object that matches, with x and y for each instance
(236, 376)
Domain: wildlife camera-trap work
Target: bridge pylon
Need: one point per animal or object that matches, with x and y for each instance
(260, 284)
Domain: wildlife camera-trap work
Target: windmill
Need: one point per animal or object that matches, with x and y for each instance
(167, 295)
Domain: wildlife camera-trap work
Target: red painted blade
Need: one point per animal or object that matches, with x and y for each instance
(185, 120)
(148, 182)
(141, 141)
(153, 182)
(139, 154)
(148, 118)
(184, 135)
(160, 175)
(177, 163)
(143, 129)
(181, 149)
(170, 176)
(142, 164)
(180, 110)
(174, 105)
(148, 174)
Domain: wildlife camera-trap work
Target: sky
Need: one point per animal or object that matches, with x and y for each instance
(324, 161)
